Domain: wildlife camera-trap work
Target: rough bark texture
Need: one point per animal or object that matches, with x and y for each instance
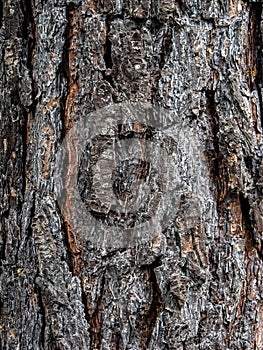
(191, 288)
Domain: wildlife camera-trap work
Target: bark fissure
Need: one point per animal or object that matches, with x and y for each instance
(67, 69)
(95, 320)
(69, 254)
(42, 312)
(74, 250)
(256, 17)
(107, 50)
(30, 37)
(166, 49)
(1, 13)
(148, 322)
(166, 43)
(182, 4)
(84, 300)
(71, 33)
(30, 34)
(248, 228)
(155, 307)
(107, 74)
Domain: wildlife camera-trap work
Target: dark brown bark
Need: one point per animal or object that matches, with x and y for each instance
(198, 284)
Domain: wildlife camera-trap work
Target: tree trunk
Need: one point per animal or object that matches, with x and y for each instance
(196, 283)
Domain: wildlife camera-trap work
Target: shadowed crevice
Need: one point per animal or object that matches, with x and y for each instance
(107, 48)
(247, 216)
(1, 13)
(256, 17)
(147, 323)
(42, 313)
(245, 210)
(69, 51)
(166, 44)
(107, 74)
(95, 319)
(30, 38)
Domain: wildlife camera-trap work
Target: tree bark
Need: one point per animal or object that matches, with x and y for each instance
(194, 286)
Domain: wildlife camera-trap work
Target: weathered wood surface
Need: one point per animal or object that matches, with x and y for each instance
(197, 287)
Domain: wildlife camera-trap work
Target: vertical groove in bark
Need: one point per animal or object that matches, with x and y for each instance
(246, 222)
(254, 64)
(165, 50)
(166, 43)
(1, 13)
(107, 74)
(67, 102)
(150, 318)
(74, 251)
(42, 312)
(256, 50)
(29, 34)
(70, 48)
(253, 60)
(96, 320)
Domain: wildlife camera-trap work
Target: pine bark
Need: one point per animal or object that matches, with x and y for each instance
(197, 288)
